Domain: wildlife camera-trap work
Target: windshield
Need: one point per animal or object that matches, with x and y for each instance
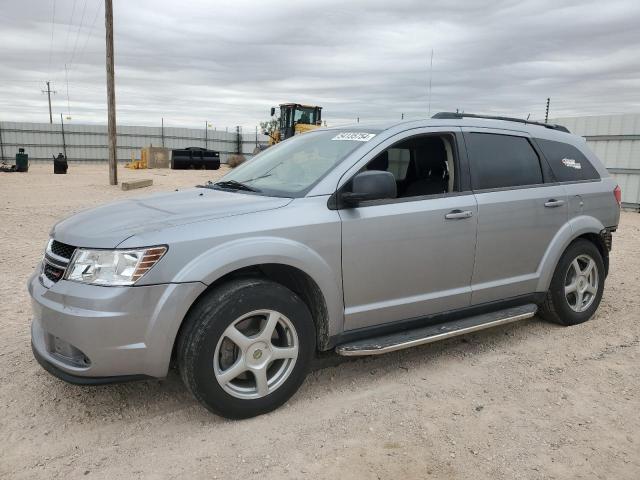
(305, 115)
(292, 167)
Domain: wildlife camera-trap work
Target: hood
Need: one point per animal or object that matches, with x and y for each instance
(109, 225)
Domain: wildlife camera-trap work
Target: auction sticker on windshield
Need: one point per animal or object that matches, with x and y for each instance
(354, 136)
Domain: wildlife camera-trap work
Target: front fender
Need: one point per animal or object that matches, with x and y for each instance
(576, 227)
(246, 252)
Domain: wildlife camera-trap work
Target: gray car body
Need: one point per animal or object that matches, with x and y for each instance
(374, 265)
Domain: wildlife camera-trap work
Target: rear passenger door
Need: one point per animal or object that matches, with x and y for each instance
(520, 210)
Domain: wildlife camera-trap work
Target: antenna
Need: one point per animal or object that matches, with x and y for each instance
(66, 77)
(430, 78)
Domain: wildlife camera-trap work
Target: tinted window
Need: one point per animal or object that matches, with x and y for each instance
(502, 161)
(567, 162)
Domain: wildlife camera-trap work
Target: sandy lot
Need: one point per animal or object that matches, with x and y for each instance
(528, 401)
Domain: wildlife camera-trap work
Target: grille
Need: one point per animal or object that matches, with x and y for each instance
(52, 273)
(62, 249)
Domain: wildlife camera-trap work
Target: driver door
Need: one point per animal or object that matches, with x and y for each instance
(412, 256)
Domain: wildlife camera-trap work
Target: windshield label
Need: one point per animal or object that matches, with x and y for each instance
(354, 136)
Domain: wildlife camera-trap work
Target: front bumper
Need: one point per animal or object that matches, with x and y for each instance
(97, 333)
(78, 379)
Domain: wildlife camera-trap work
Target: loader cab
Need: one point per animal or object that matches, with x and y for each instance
(296, 119)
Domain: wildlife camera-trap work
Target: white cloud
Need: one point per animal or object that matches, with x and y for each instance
(228, 63)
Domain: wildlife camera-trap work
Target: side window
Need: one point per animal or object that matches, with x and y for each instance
(399, 162)
(499, 161)
(422, 165)
(567, 163)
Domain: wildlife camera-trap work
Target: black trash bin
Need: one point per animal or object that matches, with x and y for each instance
(22, 161)
(60, 164)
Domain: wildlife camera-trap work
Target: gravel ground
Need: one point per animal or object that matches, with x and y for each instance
(528, 401)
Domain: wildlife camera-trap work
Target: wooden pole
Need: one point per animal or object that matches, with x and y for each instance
(111, 94)
(49, 96)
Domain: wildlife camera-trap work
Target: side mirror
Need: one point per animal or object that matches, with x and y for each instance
(371, 185)
(273, 111)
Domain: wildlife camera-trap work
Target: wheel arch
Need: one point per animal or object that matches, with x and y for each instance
(284, 261)
(295, 279)
(583, 226)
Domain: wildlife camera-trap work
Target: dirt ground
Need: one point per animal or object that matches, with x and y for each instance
(527, 401)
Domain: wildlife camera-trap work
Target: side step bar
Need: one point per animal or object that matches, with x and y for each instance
(433, 333)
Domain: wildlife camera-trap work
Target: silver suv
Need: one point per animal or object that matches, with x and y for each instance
(364, 239)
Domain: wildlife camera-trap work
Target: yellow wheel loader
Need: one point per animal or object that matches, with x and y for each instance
(295, 119)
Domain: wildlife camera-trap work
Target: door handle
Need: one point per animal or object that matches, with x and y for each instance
(553, 203)
(458, 214)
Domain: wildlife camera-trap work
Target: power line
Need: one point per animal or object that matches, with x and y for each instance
(66, 41)
(75, 45)
(53, 27)
(90, 32)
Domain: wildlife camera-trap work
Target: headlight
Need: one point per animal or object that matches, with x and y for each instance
(112, 267)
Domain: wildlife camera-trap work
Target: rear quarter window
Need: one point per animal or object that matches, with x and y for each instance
(567, 163)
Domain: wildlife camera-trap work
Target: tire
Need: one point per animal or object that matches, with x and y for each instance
(566, 309)
(206, 353)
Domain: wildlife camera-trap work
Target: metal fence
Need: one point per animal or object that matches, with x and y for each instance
(88, 143)
(616, 141)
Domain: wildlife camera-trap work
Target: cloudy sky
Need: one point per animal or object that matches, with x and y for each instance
(228, 62)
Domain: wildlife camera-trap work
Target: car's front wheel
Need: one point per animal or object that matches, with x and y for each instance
(246, 347)
(577, 285)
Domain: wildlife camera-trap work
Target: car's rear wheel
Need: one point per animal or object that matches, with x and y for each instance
(246, 347)
(577, 285)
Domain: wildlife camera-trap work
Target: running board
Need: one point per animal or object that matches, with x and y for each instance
(433, 333)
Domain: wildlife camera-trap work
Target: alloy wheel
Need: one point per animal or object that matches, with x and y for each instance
(581, 283)
(256, 354)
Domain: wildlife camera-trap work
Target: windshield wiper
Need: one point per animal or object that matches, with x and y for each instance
(235, 185)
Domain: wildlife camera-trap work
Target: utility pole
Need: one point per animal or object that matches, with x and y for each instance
(48, 91)
(162, 132)
(111, 94)
(546, 115)
(206, 135)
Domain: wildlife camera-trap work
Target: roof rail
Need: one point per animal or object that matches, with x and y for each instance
(456, 115)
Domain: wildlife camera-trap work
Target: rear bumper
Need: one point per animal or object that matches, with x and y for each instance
(90, 334)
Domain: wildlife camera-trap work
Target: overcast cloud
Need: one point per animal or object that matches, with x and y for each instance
(228, 62)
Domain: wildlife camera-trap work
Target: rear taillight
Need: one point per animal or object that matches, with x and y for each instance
(617, 192)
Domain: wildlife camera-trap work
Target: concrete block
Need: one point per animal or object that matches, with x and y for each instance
(131, 184)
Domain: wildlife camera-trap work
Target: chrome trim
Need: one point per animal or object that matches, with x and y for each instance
(433, 338)
(53, 256)
(55, 262)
